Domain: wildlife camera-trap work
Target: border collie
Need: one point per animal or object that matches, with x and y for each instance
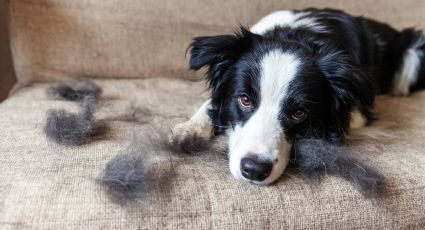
(298, 74)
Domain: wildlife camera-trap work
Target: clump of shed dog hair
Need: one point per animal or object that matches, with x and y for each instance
(74, 129)
(140, 168)
(315, 157)
(127, 175)
(75, 90)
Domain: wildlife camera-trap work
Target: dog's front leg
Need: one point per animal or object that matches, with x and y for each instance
(198, 125)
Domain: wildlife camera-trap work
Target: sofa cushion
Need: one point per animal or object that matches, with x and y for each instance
(44, 185)
(144, 38)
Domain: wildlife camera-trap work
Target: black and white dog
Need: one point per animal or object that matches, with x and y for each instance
(298, 74)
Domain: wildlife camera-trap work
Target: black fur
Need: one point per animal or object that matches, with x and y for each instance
(342, 68)
(314, 158)
(74, 129)
(405, 40)
(342, 63)
(74, 91)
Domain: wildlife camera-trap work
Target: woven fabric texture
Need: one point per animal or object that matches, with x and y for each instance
(44, 185)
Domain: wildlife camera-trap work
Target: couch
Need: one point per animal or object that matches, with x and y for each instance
(135, 50)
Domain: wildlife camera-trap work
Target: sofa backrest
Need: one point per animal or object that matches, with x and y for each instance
(148, 38)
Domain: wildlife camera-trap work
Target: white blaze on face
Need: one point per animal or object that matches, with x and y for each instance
(287, 18)
(262, 135)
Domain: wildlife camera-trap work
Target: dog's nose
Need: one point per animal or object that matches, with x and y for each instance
(255, 169)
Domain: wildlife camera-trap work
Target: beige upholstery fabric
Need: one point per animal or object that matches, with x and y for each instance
(148, 38)
(47, 186)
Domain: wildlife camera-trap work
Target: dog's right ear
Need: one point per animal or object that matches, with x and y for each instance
(218, 53)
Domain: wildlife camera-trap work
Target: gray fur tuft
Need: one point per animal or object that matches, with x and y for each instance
(74, 129)
(315, 157)
(74, 91)
(127, 176)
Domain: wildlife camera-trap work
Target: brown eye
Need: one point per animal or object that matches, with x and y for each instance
(299, 115)
(245, 102)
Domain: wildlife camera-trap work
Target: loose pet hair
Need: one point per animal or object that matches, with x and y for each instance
(314, 158)
(74, 129)
(76, 90)
(127, 175)
(300, 74)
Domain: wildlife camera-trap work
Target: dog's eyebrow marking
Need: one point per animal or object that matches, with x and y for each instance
(287, 18)
(277, 70)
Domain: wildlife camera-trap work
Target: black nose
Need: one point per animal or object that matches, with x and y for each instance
(255, 169)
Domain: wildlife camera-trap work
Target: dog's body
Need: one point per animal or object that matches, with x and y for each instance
(298, 74)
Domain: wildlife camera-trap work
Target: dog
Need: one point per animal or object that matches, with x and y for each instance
(298, 74)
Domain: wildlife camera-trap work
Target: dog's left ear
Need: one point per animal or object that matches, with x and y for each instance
(350, 87)
(219, 52)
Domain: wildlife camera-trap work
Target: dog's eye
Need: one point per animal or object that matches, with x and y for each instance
(245, 102)
(299, 115)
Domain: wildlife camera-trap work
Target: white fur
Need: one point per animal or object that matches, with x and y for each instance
(199, 124)
(357, 119)
(408, 74)
(286, 18)
(262, 134)
(201, 115)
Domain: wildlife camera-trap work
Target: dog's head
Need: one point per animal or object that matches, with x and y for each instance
(267, 93)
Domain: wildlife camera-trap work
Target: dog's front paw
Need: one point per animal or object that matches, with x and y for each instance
(190, 129)
(190, 138)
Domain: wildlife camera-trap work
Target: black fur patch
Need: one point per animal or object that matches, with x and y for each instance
(342, 68)
(314, 158)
